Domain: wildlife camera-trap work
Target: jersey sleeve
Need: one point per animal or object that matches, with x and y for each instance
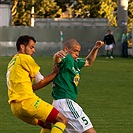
(81, 62)
(113, 39)
(30, 65)
(67, 62)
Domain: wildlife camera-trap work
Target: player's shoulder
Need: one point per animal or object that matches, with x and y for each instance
(67, 59)
(25, 57)
(106, 35)
(111, 35)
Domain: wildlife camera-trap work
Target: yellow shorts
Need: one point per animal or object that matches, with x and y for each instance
(31, 110)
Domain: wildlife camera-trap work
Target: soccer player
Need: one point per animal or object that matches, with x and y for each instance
(25, 104)
(65, 85)
(109, 41)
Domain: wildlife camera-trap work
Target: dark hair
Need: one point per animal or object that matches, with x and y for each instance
(24, 40)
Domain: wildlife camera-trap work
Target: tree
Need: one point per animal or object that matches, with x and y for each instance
(108, 10)
(21, 10)
(130, 14)
(47, 9)
(81, 9)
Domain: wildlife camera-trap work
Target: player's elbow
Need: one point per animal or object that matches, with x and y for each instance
(88, 63)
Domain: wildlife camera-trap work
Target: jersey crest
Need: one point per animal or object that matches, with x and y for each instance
(76, 79)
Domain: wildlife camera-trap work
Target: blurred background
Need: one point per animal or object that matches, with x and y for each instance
(52, 22)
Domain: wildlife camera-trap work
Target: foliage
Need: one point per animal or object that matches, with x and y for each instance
(21, 10)
(130, 14)
(80, 9)
(47, 9)
(107, 10)
(64, 4)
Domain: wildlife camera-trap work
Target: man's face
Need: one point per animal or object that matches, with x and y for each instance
(109, 32)
(29, 49)
(74, 51)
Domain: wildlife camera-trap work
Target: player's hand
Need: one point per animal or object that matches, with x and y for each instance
(99, 44)
(60, 54)
(57, 58)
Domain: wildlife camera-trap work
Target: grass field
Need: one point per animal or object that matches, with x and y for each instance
(105, 93)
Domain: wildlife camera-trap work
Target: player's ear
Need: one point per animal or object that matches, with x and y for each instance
(22, 47)
(65, 49)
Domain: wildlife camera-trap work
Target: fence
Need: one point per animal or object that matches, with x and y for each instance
(48, 38)
(71, 22)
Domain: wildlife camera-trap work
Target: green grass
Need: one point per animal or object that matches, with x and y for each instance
(105, 93)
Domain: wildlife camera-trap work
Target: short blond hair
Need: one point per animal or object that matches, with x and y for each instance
(69, 43)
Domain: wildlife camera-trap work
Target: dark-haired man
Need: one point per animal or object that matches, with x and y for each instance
(25, 104)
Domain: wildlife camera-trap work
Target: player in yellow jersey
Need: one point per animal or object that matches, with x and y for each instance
(22, 71)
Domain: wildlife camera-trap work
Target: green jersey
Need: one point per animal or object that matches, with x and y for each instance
(65, 83)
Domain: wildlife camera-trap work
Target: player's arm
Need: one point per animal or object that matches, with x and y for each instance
(42, 81)
(113, 39)
(104, 40)
(57, 58)
(92, 55)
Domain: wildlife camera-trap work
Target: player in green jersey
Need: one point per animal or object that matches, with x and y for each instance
(65, 85)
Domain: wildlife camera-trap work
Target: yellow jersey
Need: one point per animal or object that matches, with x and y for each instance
(20, 75)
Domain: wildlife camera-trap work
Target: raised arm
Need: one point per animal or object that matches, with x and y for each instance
(92, 55)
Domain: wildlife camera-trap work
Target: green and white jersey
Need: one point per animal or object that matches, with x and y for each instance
(65, 83)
